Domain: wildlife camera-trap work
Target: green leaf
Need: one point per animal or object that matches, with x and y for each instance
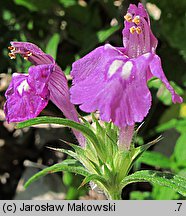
(90, 161)
(177, 183)
(137, 152)
(68, 3)
(83, 157)
(52, 45)
(36, 5)
(28, 4)
(168, 125)
(69, 123)
(138, 195)
(104, 34)
(97, 37)
(164, 193)
(180, 150)
(179, 125)
(155, 159)
(69, 165)
(67, 179)
(94, 178)
(68, 152)
(163, 94)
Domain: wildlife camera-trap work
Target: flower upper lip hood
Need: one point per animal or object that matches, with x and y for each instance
(30, 52)
(137, 35)
(113, 80)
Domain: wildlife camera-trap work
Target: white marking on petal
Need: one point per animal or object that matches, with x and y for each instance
(18, 74)
(126, 70)
(23, 87)
(108, 46)
(147, 55)
(114, 67)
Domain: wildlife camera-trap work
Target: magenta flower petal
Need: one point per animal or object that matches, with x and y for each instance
(114, 87)
(59, 95)
(94, 63)
(126, 98)
(24, 99)
(89, 75)
(39, 77)
(157, 71)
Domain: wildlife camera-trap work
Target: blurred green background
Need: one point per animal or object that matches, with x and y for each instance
(68, 29)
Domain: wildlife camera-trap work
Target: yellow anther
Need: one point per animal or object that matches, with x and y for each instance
(128, 17)
(11, 48)
(29, 54)
(25, 57)
(12, 55)
(138, 30)
(132, 30)
(136, 20)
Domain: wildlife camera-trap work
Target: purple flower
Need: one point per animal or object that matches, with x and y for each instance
(113, 80)
(28, 94)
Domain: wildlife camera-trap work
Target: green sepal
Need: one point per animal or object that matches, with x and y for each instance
(137, 152)
(85, 159)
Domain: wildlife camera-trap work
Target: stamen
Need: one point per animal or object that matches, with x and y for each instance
(138, 30)
(12, 55)
(25, 57)
(11, 48)
(28, 54)
(132, 30)
(136, 20)
(128, 17)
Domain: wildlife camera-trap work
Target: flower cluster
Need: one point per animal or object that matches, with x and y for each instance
(110, 79)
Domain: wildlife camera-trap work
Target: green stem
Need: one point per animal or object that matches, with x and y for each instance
(114, 195)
